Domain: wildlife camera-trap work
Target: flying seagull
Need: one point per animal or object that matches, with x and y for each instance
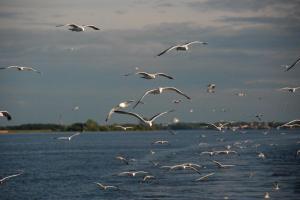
(290, 124)
(204, 177)
(211, 88)
(124, 128)
(160, 142)
(288, 67)
(134, 173)
(105, 187)
(220, 165)
(78, 28)
(121, 158)
(68, 138)
(290, 89)
(9, 177)
(124, 104)
(143, 120)
(160, 90)
(21, 68)
(181, 47)
(220, 127)
(6, 114)
(147, 75)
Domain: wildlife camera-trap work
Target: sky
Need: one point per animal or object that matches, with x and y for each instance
(248, 41)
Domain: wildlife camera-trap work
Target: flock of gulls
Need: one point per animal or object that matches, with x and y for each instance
(119, 109)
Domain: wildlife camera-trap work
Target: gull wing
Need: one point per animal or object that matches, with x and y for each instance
(130, 113)
(72, 25)
(167, 50)
(31, 69)
(6, 114)
(292, 65)
(219, 164)
(164, 75)
(100, 185)
(110, 113)
(145, 94)
(204, 177)
(176, 90)
(286, 88)
(160, 114)
(194, 42)
(78, 133)
(93, 27)
(11, 176)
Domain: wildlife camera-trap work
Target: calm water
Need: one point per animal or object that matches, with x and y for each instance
(57, 169)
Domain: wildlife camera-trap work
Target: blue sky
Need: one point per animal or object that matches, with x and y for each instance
(247, 42)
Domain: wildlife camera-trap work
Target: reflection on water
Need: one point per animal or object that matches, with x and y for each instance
(56, 169)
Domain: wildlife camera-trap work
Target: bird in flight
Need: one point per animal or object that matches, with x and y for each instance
(124, 128)
(181, 47)
(106, 187)
(288, 67)
(161, 142)
(220, 127)
(124, 104)
(160, 90)
(220, 165)
(142, 119)
(134, 173)
(9, 177)
(211, 88)
(68, 138)
(290, 89)
(6, 114)
(79, 28)
(147, 75)
(121, 158)
(204, 177)
(21, 68)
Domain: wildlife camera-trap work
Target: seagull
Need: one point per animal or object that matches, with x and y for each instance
(211, 153)
(149, 76)
(183, 167)
(75, 108)
(143, 120)
(161, 142)
(159, 91)
(241, 94)
(9, 177)
(124, 128)
(289, 124)
(222, 165)
(290, 89)
(276, 186)
(261, 155)
(21, 68)
(105, 187)
(6, 114)
(132, 173)
(68, 138)
(124, 104)
(121, 158)
(267, 196)
(225, 152)
(220, 127)
(211, 88)
(147, 177)
(288, 67)
(181, 47)
(78, 28)
(204, 177)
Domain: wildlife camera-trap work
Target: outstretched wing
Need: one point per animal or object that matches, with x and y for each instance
(130, 113)
(110, 113)
(169, 49)
(176, 90)
(72, 25)
(145, 94)
(93, 27)
(285, 88)
(292, 65)
(160, 114)
(194, 42)
(165, 75)
(6, 114)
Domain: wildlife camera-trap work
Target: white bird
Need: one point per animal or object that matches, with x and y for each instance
(261, 155)
(220, 127)
(183, 166)
(204, 177)
(211, 153)
(159, 91)
(181, 47)
(124, 104)
(124, 128)
(267, 195)
(78, 28)
(121, 158)
(161, 142)
(75, 108)
(290, 89)
(6, 114)
(276, 186)
(143, 120)
(222, 165)
(21, 68)
(225, 152)
(68, 138)
(289, 124)
(241, 94)
(134, 173)
(105, 187)
(211, 88)
(148, 76)
(288, 67)
(147, 177)
(9, 177)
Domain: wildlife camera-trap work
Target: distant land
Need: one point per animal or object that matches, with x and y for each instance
(91, 125)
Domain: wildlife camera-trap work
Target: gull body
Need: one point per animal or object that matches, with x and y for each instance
(21, 68)
(261, 155)
(160, 90)
(181, 47)
(106, 187)
(9, 177)
(220, 165)
(5, 114)
(267, 195)
(124, 104)
(68, 138)
(78, 28)
(290, 89)
(143, 120)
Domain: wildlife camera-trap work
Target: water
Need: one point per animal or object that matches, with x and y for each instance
(57, 169)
